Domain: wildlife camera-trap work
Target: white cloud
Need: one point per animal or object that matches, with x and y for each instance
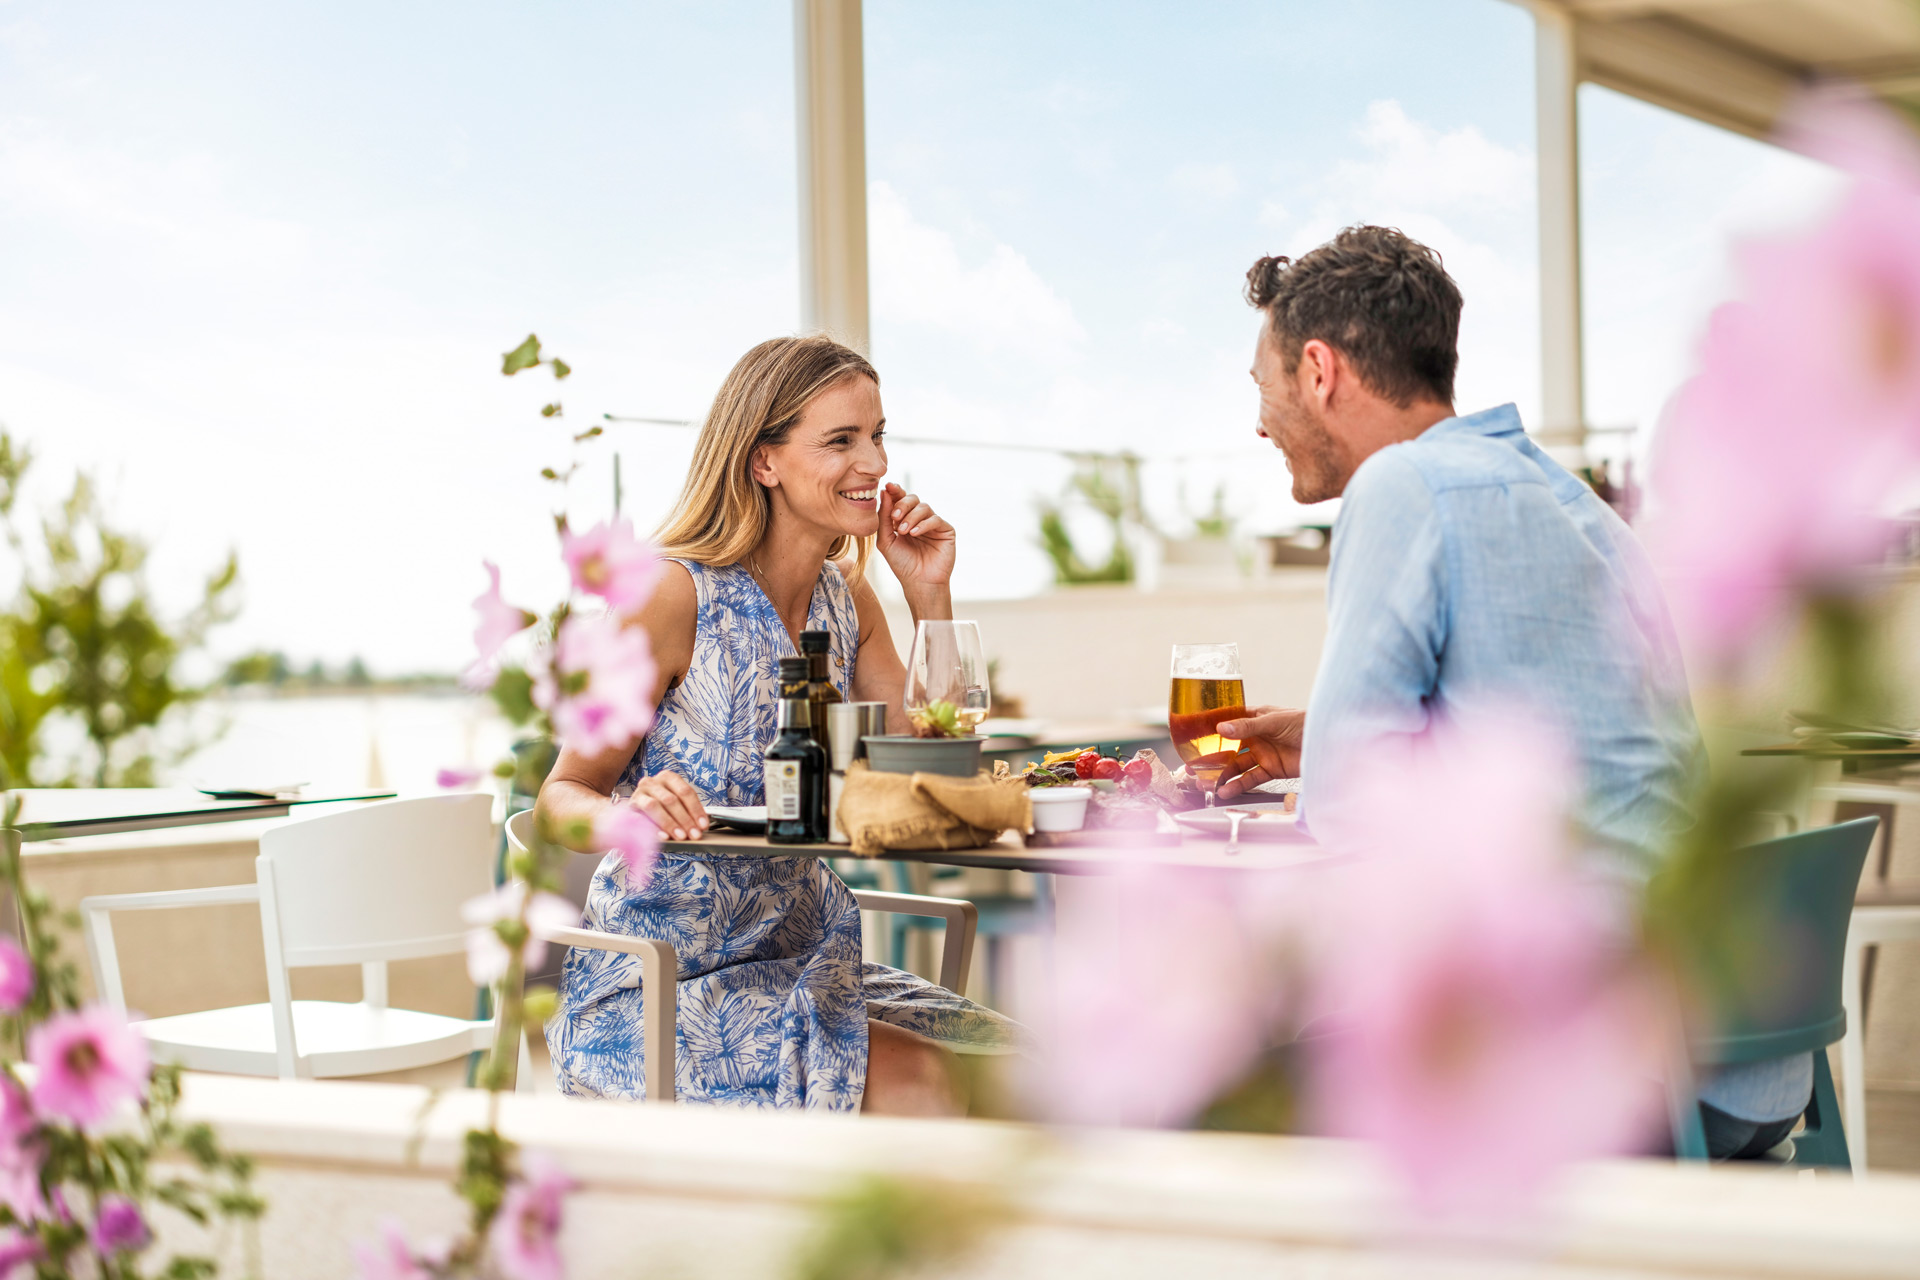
(993, 301)
(1413, 164)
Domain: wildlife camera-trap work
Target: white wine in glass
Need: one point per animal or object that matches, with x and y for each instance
(948, 664)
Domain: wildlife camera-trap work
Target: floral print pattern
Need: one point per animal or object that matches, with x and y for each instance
(773, 996)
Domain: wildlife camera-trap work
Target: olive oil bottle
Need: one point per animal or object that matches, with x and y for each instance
(820, 691)
(796, 767)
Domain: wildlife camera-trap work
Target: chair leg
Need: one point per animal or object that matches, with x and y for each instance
(1853, 1061)
(1824, 1141)
(1689, 1134)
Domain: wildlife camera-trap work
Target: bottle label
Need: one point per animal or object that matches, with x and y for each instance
(783, 790)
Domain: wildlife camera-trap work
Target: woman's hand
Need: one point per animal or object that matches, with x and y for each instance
(917, 543)
(673, 804)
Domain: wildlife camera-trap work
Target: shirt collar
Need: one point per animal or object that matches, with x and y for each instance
(1501, 420)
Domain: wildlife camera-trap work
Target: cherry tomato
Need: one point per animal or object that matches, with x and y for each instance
(1111, 770)
(1139, 775)
(1083, 764)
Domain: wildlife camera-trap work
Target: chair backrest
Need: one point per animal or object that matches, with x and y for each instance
(1786, 909)
(382, 882)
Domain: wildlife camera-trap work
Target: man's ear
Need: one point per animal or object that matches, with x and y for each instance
(761, 468)
(1320, 372)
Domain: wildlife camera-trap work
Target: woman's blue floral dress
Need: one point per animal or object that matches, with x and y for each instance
(773, 997)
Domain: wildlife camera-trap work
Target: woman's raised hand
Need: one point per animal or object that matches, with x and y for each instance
(673, 804)
(917, 543)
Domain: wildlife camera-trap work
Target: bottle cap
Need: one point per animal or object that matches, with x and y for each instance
(793, 668)
(814, 641)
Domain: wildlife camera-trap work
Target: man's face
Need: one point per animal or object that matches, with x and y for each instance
(1294, 424)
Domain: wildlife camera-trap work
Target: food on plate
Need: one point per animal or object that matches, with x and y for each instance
(1127, 794)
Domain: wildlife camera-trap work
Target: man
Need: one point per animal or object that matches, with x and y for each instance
(1472, 577)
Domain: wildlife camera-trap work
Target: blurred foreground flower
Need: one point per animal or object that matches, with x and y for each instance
(16, 976)
(87, 1062)
(461, 779)
(609, 562)
(633, 835)
(597, 685)
(1777, 462)
(525, 1235)
(1146, 1030)
(492, 914)
(389, 1258)
(119, 1227)
(1482, 1017)
(499, 623)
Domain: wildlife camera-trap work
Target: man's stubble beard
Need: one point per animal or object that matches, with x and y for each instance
(1312, 457)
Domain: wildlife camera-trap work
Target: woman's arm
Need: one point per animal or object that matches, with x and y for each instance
(580, 786)
(919, 547)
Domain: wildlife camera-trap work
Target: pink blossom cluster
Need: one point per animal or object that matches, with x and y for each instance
(87, 1064)
(1458, 993)
(597, 685)
(488, 956)
(523, 1239)
(1778, 461)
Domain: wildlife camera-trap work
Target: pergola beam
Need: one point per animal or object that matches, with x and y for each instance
(830, 102)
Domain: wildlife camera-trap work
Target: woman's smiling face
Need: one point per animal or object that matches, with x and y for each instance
(827, 473)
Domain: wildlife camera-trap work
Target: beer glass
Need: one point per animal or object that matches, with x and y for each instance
(1206, 690)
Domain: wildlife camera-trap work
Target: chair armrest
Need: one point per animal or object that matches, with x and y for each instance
(96, 925)
(962, 917)
(659, 1006)
(163, 899)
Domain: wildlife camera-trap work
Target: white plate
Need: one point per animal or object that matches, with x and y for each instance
(754, 814)
(1263, 823)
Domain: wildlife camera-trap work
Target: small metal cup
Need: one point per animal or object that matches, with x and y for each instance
(846, 725)
(873, 722)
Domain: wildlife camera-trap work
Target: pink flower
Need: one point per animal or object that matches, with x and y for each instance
(1776, 464)
(119, 1227)
(499, 623)
(488, 957)
(461, 779)
(20, 1154)
(16, 976)
(633, 835)
(1480, 1019)
(17, 1251)
(598, 685)
(525, 1235)
(88, 1062)
(390, 1258)
(609, 562)
(1129, 1040)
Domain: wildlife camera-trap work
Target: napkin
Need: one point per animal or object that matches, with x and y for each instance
(898, 811)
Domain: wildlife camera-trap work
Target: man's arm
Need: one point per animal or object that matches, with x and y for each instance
(1387, 604)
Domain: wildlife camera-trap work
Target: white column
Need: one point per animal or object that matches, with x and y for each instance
(830, 112)
(1557, 122)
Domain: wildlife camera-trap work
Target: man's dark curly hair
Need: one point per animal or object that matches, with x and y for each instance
(1379, 297)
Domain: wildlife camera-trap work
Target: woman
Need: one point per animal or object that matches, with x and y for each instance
(770, 537)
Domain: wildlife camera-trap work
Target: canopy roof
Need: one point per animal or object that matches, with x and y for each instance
(1733, 63)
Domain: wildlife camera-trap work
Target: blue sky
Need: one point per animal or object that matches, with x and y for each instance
(262, 261)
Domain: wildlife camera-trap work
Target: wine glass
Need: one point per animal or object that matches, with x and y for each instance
(1207, 689)
(949, 664)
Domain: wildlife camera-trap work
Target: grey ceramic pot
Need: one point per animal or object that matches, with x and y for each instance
(955, 757)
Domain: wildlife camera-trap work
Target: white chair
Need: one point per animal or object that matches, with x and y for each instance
(658, 1006)
(1880, 914)
(365, 886)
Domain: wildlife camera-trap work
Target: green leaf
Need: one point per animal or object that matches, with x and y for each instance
(513, 694)
(550, 410)
(560, 368)
(588, 434)
(539, 1003)
(548, 473)
(524, 356)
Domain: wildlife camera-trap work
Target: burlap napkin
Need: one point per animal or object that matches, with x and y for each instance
(884, 811)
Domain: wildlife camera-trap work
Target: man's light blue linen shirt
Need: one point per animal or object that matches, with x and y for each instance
(1473, 576)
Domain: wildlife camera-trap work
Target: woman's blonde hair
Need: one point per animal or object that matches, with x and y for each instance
(723, 512)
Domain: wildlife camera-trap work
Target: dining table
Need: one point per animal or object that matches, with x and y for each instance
(58, 813)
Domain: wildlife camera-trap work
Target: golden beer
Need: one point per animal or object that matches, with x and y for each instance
(1194, 712)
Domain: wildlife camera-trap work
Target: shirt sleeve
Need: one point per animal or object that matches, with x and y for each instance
(1387, 604)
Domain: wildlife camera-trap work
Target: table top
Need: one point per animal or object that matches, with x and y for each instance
(1011, 853)
(54, 813)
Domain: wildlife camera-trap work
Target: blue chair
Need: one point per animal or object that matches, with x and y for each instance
(1779, 924)
(1001, 916)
